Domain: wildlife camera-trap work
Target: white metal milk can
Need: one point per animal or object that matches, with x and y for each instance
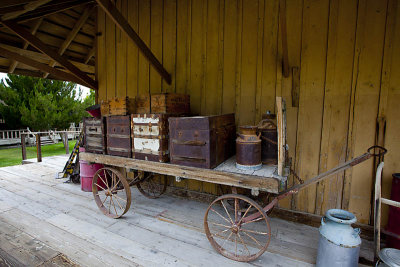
(339, 243)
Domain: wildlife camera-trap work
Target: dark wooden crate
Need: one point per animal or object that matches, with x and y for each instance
(150, 137)
(203, 142)
(93, 129)
(165, 103)
(119, 136)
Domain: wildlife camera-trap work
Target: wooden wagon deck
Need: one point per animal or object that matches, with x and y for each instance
(265, 179)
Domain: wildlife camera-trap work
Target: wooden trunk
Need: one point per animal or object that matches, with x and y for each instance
(150, 137)
(203, 142)
(166, 103)
(119, 136)
(118, 106)
(94, 135)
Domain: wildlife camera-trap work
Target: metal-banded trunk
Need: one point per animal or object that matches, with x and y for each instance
(119, 136)
(203, 141)
(150, 137)
(93, 129)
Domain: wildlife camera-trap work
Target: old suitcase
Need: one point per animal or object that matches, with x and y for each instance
(93, 129)
(203, 142)
(150, 137)
(165, 103)
(119, 136)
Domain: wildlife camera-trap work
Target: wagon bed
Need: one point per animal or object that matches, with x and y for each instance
(265, 179)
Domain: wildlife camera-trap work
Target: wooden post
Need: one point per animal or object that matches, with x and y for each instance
(38, 148)
(66, 143)
(23, 146)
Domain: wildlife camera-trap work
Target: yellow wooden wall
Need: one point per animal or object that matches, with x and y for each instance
(227, 55)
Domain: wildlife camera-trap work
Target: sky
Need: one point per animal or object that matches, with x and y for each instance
(85, 90)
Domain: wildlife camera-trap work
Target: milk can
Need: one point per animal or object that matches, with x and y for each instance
(269, 139)
(339, 244)
(248, 149)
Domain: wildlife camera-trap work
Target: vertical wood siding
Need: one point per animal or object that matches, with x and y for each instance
(345, 64)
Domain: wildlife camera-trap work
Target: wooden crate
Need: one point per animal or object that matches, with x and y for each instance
(170, 103)
(94, 135)
(165, 103)
(119, 136)
(142, 104)
(150, 137)
(105, 108)
(120, 106)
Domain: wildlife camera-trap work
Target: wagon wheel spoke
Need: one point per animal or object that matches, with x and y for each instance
(252, 238)
(227, 212)
(241, 240)
(220, 215)
(254, 232)
(152, 187)
(106, 181)
(226, 234)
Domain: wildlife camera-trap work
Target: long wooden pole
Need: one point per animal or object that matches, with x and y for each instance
(23, 146)
(38, 148)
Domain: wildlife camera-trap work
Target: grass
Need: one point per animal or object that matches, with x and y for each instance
(13, 156)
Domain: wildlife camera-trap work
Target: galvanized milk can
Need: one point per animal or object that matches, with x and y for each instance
(248, 149)
(389, 257)
(339, 244)
(269, 139)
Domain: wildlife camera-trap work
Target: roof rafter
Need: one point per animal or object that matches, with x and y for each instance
(27, 7)
(34, 41)
(72, 34)
(35, 64)
(34, 29)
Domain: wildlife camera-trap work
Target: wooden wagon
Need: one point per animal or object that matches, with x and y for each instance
(236, 225)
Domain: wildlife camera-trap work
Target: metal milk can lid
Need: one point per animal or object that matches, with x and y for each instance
(390, 256)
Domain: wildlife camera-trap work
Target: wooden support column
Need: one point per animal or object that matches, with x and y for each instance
(66, 145)
(23, 146)
(119, 20)
(34, 41)
(38, 148)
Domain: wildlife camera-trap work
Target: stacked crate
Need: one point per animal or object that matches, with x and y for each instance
(94, 135)
(118, 129)
(150, 130)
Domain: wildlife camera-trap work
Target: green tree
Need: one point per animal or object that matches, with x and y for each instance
(41, 104)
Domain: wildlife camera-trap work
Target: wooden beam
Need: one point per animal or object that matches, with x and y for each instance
(35, 27)
(43, 67)
(51, 9)
(27, 7)
(71, 36)
(34, 41)
(42, 58)
(110, 9)
(7, 3)
(269, 184)
(90, 54)
(285, 55)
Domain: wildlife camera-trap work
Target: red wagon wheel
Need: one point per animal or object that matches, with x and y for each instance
(231, 234)
(153, 186)
(111, 192)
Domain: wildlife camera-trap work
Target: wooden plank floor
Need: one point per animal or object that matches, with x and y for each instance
(43, 219)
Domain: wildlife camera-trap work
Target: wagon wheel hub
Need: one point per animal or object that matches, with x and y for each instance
(235, 229)
(108, 193)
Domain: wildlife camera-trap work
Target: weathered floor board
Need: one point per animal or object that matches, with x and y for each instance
(42, 218)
